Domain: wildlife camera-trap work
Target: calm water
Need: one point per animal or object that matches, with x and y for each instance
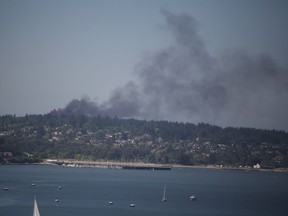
(86, 191)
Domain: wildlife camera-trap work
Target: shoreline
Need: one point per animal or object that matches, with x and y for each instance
(283, 169)
(142, 165)
(114, 164)
(108, 164)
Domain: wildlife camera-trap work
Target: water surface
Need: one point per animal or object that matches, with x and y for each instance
(87, 191)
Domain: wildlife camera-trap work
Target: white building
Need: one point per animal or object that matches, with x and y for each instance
(257, 166)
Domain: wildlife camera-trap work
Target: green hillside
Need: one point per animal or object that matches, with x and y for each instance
(55, 135)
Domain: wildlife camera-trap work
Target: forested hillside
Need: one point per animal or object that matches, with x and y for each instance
(55, 135)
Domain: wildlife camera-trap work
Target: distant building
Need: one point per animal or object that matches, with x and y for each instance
(7, 154)
(27, 154)
(257, 166)
(51, 160)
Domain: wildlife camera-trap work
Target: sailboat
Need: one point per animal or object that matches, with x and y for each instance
(110, 202)
(132, 204)
(164, 199)
(35, 209)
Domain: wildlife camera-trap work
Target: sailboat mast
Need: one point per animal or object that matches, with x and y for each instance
(35, 209)
(164, 194)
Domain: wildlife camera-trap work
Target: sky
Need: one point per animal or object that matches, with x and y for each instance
(222, 62)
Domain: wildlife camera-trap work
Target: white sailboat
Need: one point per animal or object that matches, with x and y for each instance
(164, 199)
(35, 209)
(132, 204)
(110, 202)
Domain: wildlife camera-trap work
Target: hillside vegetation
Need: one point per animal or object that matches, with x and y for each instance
(55, 135)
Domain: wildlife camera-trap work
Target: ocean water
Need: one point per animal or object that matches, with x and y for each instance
(87, 191)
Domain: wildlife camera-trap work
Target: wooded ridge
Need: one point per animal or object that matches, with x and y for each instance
(55, 135)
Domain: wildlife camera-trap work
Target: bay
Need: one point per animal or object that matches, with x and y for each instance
(87, 191)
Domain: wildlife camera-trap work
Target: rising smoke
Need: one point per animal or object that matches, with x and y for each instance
(185, 83)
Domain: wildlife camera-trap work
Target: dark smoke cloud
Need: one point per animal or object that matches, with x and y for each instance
(82, 107)
(124, 102)
(185, 83)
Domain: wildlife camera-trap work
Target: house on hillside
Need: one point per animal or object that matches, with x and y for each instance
(28, 154)
(7, 154)
(257, 166)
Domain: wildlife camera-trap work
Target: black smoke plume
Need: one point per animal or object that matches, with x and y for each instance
(184, 82)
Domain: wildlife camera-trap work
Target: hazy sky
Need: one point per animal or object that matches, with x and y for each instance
(217, 61)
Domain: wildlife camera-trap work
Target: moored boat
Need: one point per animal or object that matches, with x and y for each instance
(132, 205)
(193, 198)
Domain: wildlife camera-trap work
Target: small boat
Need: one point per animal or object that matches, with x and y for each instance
(56, 200)
(110, 203)
(164, 199)
(33, 184)
(132, 205)
(6, 188)
(192, 197)
(35, 209)
(60, 187)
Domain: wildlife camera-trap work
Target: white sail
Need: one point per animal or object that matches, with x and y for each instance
(35, 210)
(164, 199)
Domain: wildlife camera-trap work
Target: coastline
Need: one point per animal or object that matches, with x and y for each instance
(108, 164)
(282, 169)
(142, 165)
(114, 164)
